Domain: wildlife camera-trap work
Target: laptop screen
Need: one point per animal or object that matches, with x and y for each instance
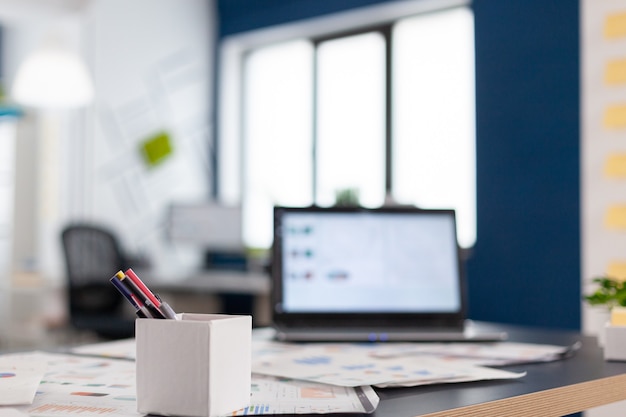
(394, 261)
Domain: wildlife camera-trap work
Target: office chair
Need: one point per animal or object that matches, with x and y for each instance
(92, 256)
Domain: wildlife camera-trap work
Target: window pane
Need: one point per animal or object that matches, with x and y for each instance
(277, 133)
(434, 115)
(351, 111)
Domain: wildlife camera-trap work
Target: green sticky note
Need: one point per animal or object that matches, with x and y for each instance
(156, 148)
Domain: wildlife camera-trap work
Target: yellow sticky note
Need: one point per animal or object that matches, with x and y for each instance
(618, 316)
(615, 116)
(615, 166)
(156, 148)
(615, 72)
(615, 26)
(616, 217)
(617, 270)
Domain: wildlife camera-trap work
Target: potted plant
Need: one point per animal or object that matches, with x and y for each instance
(611, 292)
(347, 197)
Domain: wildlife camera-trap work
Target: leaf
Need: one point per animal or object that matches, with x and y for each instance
(610, 292)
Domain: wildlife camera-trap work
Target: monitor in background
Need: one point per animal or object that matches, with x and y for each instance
(358, 274)
(370, 262)
(207, 225)
(216, 229)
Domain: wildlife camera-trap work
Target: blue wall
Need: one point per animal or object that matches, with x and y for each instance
(525, 268)
(241, 15)
(526, 264)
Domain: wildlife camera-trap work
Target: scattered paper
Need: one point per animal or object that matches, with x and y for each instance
(89, 387)
(115, 349)
(288, 378)
(354, 365)
(467, 370)
(272, 395)
(11, 412)
(19, 378)
(485, 354)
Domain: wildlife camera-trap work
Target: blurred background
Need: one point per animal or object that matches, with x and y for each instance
(168, 129)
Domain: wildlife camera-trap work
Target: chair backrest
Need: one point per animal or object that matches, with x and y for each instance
(92, 256)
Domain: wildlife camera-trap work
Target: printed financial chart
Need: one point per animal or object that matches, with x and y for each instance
(75, 385)
(93, 386)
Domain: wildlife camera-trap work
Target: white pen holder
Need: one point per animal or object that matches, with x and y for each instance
(198, 366)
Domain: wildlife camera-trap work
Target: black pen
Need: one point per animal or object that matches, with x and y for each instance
(140, 310)
(136, 291)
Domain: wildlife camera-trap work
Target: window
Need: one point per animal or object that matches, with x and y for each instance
(434, 115)
(277, 136)
(351, 119)
(385, 109)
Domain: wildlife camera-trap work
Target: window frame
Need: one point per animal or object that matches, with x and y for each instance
(229, 184)
(229, 77)
(385, 30)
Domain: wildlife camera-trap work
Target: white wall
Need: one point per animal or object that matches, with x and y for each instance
(152, 68)
(603, 242)
(151, 64)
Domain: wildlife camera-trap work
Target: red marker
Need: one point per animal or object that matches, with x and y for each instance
(141, 298)
(131, 274)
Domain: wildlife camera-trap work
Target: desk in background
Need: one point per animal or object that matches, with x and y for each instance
(198, 290)
(217, 281)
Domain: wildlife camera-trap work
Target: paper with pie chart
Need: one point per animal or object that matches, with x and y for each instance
(19, 379)
(353, 365)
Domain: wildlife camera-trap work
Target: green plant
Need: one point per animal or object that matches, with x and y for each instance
(611, 292)
(347, 197)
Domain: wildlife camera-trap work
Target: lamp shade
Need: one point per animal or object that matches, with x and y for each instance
(52, 77)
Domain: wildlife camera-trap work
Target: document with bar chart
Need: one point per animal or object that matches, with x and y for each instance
(275, 395)
(92, 386)
(74, 385)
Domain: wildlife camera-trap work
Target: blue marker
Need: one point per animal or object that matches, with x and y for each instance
(122, 289)
(140, 311)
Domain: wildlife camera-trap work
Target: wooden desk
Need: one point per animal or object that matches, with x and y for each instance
(551, 389)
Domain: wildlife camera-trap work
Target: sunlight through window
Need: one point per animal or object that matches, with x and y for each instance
(434, 115)
(314, 117)
(351, 119)
(277, 163)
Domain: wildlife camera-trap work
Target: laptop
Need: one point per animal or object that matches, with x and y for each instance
(360, 274)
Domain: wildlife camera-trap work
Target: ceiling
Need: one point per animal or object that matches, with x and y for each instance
(16, 11)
